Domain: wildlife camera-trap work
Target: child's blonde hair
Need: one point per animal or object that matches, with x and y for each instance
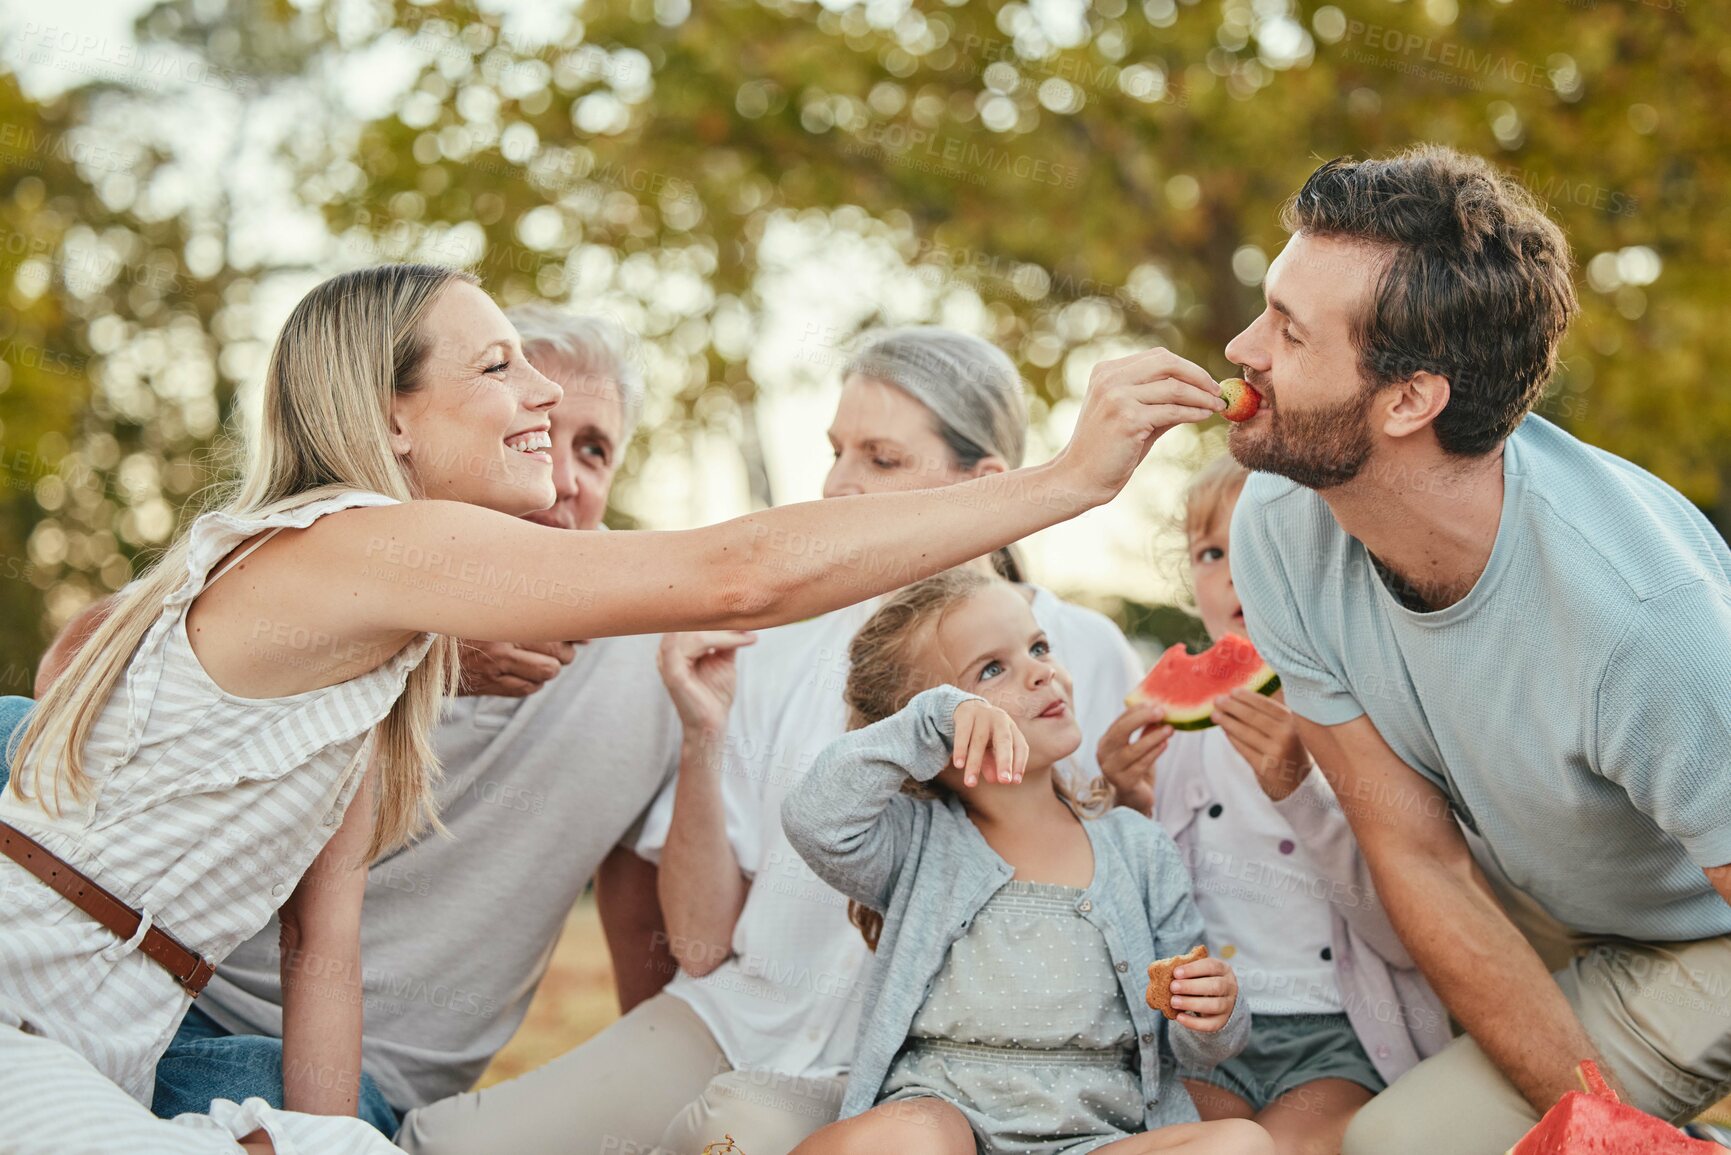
(350, 346)
(1211, 493)
(884, 675)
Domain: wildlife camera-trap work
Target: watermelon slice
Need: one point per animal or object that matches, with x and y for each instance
(1185, 684)
(1598, 1123)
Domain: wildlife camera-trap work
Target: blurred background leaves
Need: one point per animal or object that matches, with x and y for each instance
(745, 184)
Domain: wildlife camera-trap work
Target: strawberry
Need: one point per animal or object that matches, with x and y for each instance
(1242, 401)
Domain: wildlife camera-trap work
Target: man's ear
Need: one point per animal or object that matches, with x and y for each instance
(987, 466)
(1412, 405)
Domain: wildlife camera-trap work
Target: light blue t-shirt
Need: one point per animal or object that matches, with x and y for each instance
(1575, 706)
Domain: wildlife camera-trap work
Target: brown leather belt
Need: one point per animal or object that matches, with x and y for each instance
(189, 968)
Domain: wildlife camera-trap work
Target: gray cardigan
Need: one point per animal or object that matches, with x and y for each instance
(928, 869)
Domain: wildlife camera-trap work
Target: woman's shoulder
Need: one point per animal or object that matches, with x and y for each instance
(216, 533)
(234, 523)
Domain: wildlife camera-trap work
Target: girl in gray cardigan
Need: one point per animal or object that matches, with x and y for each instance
(1005, 1011)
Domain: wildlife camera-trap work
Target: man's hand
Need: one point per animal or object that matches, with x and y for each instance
(1128, 762)
(510, 670)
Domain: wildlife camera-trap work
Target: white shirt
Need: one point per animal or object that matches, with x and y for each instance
(1264, 905)
(788, 998)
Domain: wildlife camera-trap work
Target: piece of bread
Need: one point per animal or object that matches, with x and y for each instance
(1160, 979)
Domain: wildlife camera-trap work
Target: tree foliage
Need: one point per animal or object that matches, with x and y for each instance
(1076, 179)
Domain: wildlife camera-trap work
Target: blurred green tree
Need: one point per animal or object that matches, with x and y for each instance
(1107, 175)
(103, 368)
(1085, 178)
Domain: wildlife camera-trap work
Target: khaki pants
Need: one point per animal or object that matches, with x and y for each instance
(653, 1082)
(1660, 1013)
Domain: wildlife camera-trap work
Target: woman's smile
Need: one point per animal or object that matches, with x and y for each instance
(536, 443)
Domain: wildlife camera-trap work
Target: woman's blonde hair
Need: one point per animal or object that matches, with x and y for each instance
(350, 346)
(884, 675)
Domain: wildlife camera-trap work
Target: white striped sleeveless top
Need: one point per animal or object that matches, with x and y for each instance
(204, 811)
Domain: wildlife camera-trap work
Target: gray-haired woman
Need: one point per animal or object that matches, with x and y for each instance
(753, 1037)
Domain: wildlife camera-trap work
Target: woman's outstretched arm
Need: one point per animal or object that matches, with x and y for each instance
(463, 570)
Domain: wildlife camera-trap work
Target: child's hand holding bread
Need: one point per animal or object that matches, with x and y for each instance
(1194, 990)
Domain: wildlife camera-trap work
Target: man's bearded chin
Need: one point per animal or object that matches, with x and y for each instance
(1318, 448)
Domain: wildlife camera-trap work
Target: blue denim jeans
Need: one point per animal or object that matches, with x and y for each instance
(204, 1062)
(12, 713)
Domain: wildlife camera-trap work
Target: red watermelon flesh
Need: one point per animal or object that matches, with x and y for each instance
(1597, 1123)
(1185, 684)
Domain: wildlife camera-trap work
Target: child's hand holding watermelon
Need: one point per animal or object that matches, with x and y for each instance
(1127, 751)
(1262, 730)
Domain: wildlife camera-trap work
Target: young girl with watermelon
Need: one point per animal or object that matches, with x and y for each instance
(1209, 748)
(1012, 917)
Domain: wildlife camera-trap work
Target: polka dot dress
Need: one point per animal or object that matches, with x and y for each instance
(1026, 1030)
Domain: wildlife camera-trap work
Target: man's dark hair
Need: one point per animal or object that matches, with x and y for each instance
(1476, 286)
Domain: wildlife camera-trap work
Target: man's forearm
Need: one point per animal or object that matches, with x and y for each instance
(702, 889)
(1487, 974)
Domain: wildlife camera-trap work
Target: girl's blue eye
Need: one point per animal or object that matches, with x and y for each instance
(991, 669)
(1212, 553)
(1040, 649)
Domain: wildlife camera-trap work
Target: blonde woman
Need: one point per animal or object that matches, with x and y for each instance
(195, 769)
